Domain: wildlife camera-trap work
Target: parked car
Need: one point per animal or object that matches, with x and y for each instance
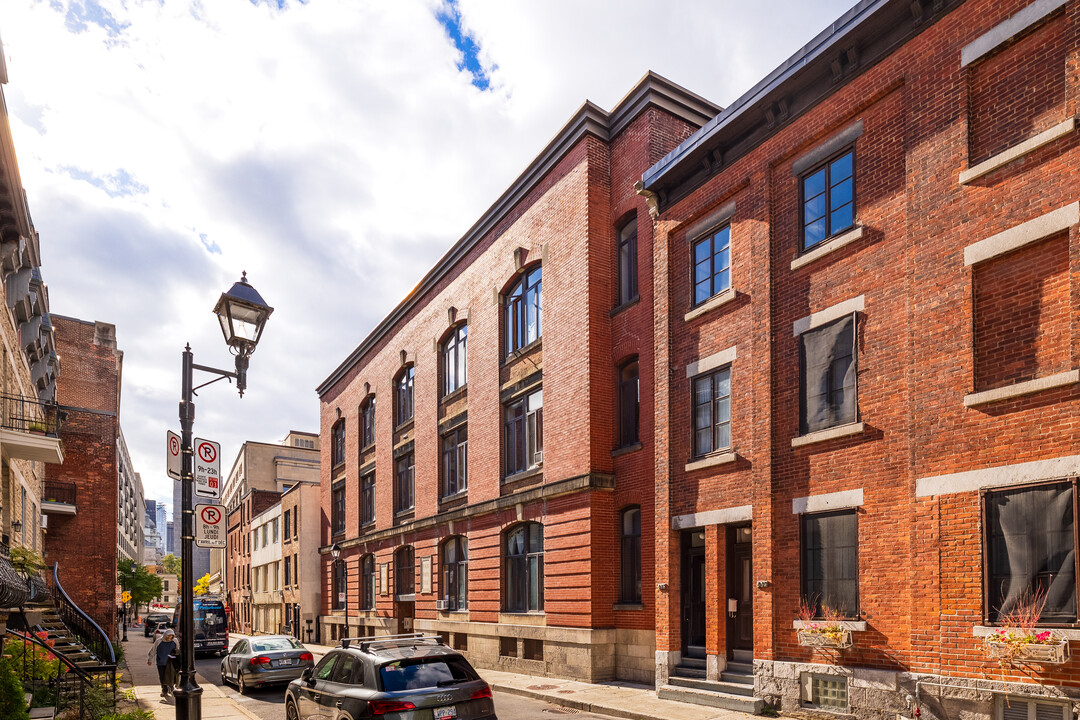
(413, 677)
(265, 660)
(151, 622)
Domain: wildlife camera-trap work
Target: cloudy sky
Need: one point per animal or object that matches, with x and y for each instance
(334, 149)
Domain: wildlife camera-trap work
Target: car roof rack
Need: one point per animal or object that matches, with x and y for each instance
(385, 642)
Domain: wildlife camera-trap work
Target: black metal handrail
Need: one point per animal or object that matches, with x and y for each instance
(30, 637)
(58, 491)
(89, 632)
(14, 591)
(30, 415)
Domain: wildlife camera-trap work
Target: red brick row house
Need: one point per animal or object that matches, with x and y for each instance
(828, 356)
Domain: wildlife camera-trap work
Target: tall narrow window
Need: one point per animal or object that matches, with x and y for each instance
(288, 572)
(455, 575)
(367, 498)
(1031, 546)
(628, 288)
(829, 391)
(630, 589)
(454, 360)
(628, 403)
(828, 199)
(455, 461)
(830, 571)
(403, 396)
(404, 570)
(524, 311)
(337, 443)
(712, 412)
(524, 433)
(712, 264)
(403, 497)
(367, 583)
(337, 509)
(288, 525)
(367, 422)
(525, 568)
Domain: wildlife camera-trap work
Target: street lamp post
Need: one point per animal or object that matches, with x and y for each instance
(335, 552)
(124, 605)
(242, 314)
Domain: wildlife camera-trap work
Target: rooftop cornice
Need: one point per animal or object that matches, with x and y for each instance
(590, 119)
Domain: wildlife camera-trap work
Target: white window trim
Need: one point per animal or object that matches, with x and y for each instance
(711, 362)
(1023, 234)
(1000, 476)
(823, 317)
(826, 502)
(827, 248)
(1070, 377)
(722, 516)
(1017, 151)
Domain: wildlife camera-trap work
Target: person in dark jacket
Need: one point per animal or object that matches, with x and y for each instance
(163, 651)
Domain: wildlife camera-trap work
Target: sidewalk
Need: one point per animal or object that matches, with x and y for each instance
(617, 699)
(144, 681)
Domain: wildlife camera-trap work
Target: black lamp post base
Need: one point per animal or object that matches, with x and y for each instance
(188, 702)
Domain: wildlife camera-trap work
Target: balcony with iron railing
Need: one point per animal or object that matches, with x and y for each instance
(58, 497)
(30, 429)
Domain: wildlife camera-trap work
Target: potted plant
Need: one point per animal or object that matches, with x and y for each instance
(1018, 640)
(828, 631)
(35, 428)
(26, 561)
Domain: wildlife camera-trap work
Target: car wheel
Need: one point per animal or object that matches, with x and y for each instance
(291, 712)
(224, 677)
(241, 684)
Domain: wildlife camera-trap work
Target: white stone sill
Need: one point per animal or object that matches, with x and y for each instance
(829, 434)
(852, 625)
(1017, 151)
(711, 461)
(711, 304)
(1068, 634)
(827, 248)
(1020, 389)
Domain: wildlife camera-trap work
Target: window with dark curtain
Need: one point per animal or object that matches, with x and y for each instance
(403, 396)
(455, 461)
(524, 311)
(830, 561)
(1032, 550)
(525, 568)
(337, 520)
(828, 199)
(628, 403)
(367, 498)
(339, 585)
(524, 433)
(455, 575)
(337, 443)
(828, 374)
(454, 360)
(628, 287)
(288, 572)
(712, 265)
(404, 495)
(404, 570)
(288, 525)
(630, 589)
(367, 583)
(712, 412)
(367, 422)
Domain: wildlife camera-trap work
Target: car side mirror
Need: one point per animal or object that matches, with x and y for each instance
(308, 676)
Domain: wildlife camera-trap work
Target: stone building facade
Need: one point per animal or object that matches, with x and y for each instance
(301, 526)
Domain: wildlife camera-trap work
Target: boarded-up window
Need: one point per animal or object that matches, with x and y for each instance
(828, 376)
(830, 561)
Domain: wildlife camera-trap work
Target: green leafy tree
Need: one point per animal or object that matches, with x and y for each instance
(143, 585)
(171, 563)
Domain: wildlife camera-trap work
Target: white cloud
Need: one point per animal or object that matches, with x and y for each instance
(332, 149)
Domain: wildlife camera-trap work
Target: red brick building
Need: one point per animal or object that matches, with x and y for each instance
(239, 589)
(867, 294)
(479, 494)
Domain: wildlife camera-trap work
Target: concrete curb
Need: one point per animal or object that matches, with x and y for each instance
(572, 703)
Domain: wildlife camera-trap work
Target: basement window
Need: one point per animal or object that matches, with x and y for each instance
(828, 691)
(1011, 707)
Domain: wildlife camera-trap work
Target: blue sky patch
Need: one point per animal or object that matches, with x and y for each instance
(117, 184)
(210, 245)
(83, 13)
(450, 18)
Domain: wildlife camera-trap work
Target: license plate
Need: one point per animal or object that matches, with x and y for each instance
(286, 661)
(444, 712)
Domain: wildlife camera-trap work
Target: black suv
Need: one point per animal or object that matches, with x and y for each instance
(152, 620)
(413, 677)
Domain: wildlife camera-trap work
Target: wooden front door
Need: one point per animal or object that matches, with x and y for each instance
(693, 594)
(740, 627)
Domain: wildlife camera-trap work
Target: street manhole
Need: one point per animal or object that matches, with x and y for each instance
(561, 711)
(543, 687)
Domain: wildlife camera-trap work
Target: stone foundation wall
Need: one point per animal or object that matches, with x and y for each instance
(635, 655)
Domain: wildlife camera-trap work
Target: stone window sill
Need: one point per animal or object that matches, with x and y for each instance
(1020, 389)
(1067, 633)
(828, 434)
(828, 247)
(622, 607)
(626, 449)
(711, 461)
(625, 306)
(852, 625)
(1017, 151)
(711, 304)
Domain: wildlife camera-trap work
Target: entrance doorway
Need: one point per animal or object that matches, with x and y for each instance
(693, 593)
(740, 623)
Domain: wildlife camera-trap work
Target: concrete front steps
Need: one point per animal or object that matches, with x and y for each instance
(734, 690)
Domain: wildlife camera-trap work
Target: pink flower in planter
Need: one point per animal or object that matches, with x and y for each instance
(1043, 636)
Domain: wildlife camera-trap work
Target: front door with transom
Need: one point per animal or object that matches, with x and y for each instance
(693, 593)
(740, 605)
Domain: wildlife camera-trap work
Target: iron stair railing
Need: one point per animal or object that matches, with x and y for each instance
(85, 629)
(85, 679)
(14, 591)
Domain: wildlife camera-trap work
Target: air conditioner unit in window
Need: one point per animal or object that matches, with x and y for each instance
(442, 604)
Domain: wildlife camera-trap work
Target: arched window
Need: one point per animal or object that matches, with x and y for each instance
(630, 588)
(628, 403)
(404, 570)
(524, 310)
(367, 422)
(525, 568)
(454, 360)
(367, 583)
(337, 443)
(455, 573)
(403, 396)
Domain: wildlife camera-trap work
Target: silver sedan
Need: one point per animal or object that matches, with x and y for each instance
(265, 660)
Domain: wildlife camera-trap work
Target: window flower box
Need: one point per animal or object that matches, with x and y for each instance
(1009, 645)
(825, 636)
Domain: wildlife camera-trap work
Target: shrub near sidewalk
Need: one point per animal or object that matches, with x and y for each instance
(12, 703)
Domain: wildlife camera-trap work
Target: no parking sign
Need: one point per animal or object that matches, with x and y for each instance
(209, 526)
(207, 468)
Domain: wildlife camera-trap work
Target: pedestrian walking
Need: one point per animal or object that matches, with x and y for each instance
(163, 652)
